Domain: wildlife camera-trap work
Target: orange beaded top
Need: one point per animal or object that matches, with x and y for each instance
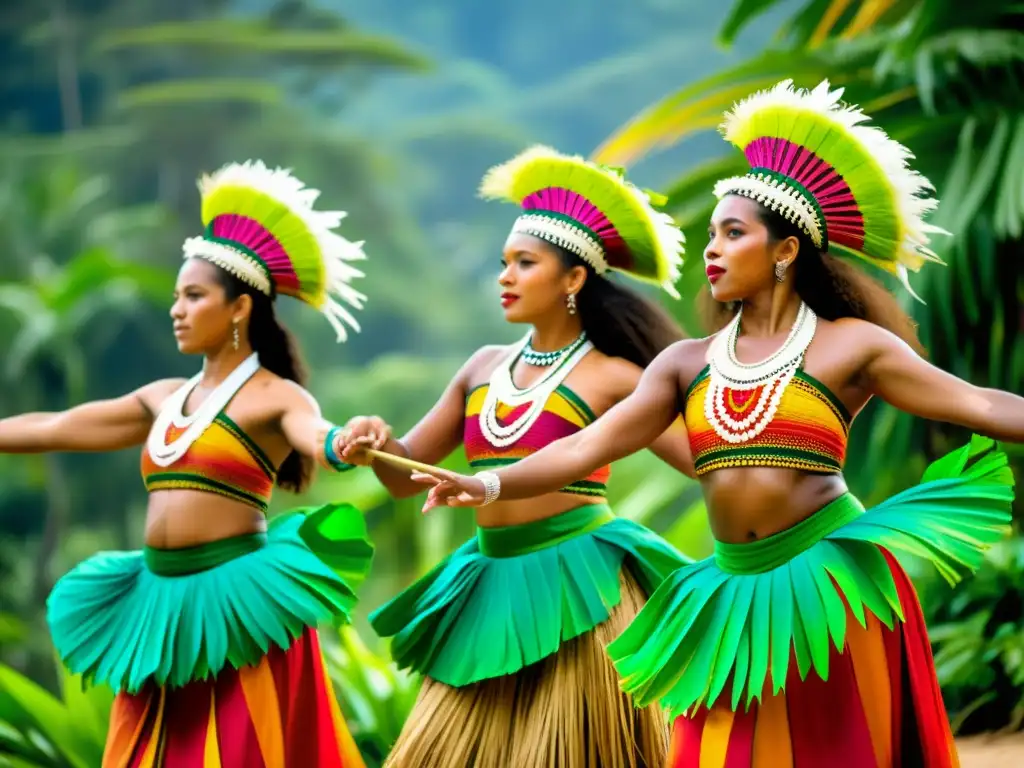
(808, 432)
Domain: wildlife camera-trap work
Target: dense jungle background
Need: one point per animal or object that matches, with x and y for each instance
(110, 109)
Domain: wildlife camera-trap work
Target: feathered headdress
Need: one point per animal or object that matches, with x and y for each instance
(262, 228)
(591, 211)
(846, 185)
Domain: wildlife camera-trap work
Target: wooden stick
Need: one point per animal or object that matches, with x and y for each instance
(402, 462)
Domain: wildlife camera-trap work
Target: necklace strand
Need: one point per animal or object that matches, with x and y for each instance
(765, 380)
(543, 359)
(164, 453)
(502, 390)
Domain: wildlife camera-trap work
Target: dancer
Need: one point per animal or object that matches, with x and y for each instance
(509, 631)
(208, 634)
(800, 642)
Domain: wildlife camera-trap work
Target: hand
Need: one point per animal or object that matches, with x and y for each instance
(451, 489)
(360, 433)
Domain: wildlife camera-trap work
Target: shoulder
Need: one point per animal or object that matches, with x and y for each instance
(681, 362)
(856, 335)
(153, 395)
(284, 394)
(482, 363)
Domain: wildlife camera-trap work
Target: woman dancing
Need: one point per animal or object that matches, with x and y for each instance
(509, 631)
(800, 642)
(208, 634)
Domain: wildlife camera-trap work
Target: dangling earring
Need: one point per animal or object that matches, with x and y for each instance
(234, 334)
(780, 272)
(570, 301)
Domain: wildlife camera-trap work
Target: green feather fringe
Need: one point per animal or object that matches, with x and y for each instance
(475, 617)
(704, 625)
(116, 622)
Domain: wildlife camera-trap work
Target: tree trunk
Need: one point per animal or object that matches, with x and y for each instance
(67, 66)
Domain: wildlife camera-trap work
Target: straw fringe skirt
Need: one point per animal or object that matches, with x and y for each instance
(566, 710)
(512, 646)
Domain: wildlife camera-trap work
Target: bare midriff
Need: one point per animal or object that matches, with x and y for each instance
(749, 503)
(181, 518)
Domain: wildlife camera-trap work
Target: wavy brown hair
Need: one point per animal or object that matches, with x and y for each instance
(830, 286)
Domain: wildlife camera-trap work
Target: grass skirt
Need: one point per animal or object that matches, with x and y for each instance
(212, 649)
(808, 648)
(510, 632)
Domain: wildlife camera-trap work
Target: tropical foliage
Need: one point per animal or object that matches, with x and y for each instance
(978, 638)
(945, 80)
(109, 110)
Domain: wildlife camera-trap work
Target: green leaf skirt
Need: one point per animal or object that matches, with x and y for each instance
(745, 614)
(512, 595)
(171, 617)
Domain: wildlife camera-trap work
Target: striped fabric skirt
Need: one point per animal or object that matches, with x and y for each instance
(212, 649)
(880, 706)
(808, 648)
(279, 713)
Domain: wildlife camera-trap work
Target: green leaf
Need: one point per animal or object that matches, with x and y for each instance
(91, 707)
(26, 701)
(984, 175)
(702, 105)
(742, 14)
(12, 629)
(257, 39)
(198, 90)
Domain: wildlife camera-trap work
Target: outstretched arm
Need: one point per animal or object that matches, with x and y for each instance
(303, 426)
(629, 426)
(899, 376)
(673, 447)
(433, 438)
(103, 425)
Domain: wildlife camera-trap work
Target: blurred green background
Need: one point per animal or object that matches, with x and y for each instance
(109, 110)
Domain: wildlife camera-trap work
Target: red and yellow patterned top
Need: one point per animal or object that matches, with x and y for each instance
(809, 430)
(564, 414)
(222, 460)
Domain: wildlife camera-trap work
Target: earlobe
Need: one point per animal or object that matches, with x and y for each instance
(244, 308)
(579, 277)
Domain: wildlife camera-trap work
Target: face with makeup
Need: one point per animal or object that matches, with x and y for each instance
(741, 253)
(203, 316)
(535, 279)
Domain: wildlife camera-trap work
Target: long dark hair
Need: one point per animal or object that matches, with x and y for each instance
(619, 321)
(830, 286)
(279, 353)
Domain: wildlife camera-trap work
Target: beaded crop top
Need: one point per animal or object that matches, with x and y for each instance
(222, 460)
(564, 414)
(808, 432)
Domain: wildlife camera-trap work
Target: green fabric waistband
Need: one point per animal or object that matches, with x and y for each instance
(773, 551)
(180, 562)
(515, 540)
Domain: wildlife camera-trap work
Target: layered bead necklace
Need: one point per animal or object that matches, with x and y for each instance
(164, 453)
(742, 398)
(501, 390)
(543, 359)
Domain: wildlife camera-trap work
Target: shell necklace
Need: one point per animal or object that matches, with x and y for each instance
(502, 390)
(165, 453)
(742, 398)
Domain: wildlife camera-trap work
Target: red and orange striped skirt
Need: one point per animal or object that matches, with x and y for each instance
(880, 707)
(808, 648)
(280, 713)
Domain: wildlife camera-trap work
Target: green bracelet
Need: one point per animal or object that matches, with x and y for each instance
(332, 458)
